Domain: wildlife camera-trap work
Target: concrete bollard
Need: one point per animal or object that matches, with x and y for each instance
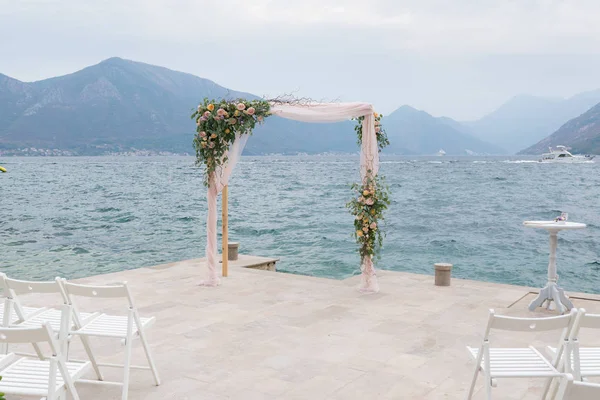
(443, 274)
(232, 252)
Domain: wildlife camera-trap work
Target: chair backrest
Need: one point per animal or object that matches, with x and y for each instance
(15, 286)
(42, 334)
(575, 390)
(101, 292)
(502, 322)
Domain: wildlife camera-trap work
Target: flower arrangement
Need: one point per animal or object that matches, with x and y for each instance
(563, 217)
(382, 139)
(371, 199)
(217, 123)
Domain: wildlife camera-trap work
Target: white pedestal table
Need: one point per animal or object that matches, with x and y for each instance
(552, 292)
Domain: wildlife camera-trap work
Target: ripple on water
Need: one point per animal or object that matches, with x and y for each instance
(20, 243)
(107, 209)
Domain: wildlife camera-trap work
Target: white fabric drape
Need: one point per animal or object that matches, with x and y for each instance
(314, 112)
(216, 184)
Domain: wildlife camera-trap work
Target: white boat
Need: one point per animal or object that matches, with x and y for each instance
(441, 152)
(561, 155)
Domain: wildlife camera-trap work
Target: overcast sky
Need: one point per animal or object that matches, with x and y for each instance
(459, 58)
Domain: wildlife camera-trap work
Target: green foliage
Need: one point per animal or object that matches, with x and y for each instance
(370, 200)
(2, 394)
(382, 139)
(218, 122)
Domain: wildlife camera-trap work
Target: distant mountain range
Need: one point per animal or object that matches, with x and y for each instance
(123, 106)
(412, 131)
(581, 134)
(525, 120)
(120, 105)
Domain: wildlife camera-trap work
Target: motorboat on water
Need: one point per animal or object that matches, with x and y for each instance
(441, 152)
(561, 155)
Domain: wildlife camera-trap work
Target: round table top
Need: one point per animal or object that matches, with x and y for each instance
(554, 225)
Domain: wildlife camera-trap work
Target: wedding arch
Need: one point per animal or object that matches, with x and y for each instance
(223, 128)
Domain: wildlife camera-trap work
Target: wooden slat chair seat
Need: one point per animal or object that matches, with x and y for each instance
(514, 362)
(27, 311)
(589, 361)
(52, 316)
(32, 376)
(518, 362)
(111, 326)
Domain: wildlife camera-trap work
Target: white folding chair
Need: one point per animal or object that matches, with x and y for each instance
(573, 390)
(521, 362)
(50, 379)
(35, 317)
(127, 328)
(585, 361)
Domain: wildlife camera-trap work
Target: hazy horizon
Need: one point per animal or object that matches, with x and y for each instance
(462, 60)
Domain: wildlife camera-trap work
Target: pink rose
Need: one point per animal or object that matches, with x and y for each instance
(369, 201)
(377, 129)
(241, 106)
(232, 121)
(220, 112)
(251, 111)
(202, 134)
(211, 145)
(366, 229)
(373, 225)
(207, 114)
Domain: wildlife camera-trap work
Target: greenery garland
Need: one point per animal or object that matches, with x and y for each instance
(382, 139)
(371, 198)
(217, 123)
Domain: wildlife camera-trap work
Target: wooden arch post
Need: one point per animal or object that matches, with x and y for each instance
(225, 236)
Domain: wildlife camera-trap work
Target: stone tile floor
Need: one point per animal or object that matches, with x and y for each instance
(268, 335)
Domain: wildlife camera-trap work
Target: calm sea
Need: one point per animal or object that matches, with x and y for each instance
(75, 217)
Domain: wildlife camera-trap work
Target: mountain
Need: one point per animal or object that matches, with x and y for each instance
(412, 131)
(116, 103)
(120, 105)
(525, 120)
(581, 134)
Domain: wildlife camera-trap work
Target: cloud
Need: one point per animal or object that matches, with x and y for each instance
(458, 57)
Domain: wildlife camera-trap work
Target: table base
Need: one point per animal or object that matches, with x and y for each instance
(552, 292)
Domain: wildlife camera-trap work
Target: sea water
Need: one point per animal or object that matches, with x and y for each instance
(79, 216)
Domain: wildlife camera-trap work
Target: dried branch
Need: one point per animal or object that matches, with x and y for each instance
(292, 99)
